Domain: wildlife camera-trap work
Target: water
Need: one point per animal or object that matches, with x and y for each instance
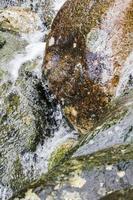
(35, 49)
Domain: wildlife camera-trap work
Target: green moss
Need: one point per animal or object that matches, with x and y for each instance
(31, 142)
(17, 174)
(60, 153)
(13, 102)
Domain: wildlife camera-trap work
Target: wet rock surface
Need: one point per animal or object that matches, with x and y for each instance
(86, 52)
(93, 170)
(88, 65)
(32, 124)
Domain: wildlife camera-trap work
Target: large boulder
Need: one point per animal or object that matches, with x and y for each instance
(89, 44)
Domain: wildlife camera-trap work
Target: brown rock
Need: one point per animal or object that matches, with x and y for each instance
(86, 50)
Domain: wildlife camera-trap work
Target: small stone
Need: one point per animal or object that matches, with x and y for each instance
(123, 151)
(49, 198)
(57, 187)
(102, 191)
(74, 112)
(74, 45)
(67, 195)
(91, 142)
(121, 174)
(109, 167)
(51, 41)
(77, 181)
(31, 196)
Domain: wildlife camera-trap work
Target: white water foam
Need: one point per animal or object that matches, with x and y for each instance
(37, 163)
(34, 49)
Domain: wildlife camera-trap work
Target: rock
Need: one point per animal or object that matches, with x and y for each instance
(89, 45)
(2, 41)
(115, 132)
(29, 196)
(13, 44)
(46, 9)
(100, 166)
(98, 183)
(19, 20)
(121, 194)
(39, 149)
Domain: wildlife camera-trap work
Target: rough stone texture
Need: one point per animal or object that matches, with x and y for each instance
(100, 165)
(19, 20)
(88, 46)
(46, 9)
(92, 184)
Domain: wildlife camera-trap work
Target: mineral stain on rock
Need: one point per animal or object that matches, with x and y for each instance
(90, 42)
